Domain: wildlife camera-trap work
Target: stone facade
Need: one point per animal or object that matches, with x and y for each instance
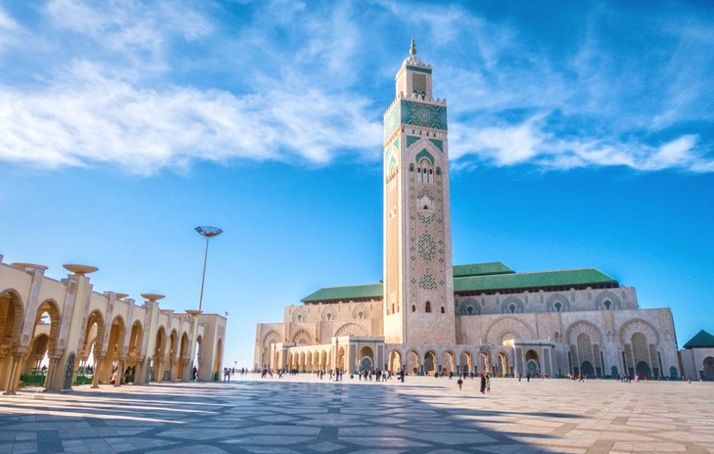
(70, 324)
(426, 318)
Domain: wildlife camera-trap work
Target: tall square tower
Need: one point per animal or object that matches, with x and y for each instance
(418, 275)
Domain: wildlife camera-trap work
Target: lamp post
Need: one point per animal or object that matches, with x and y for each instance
(208, 232)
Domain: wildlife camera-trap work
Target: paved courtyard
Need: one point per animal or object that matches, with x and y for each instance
(301, 414)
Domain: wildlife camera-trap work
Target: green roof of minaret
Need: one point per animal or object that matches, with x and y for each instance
(702, 339)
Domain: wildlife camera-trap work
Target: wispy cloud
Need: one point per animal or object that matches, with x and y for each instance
(146, 85)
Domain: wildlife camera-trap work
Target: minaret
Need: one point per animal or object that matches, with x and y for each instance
(418, 277)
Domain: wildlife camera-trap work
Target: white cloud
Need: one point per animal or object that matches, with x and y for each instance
(96, 119)
(300, 92)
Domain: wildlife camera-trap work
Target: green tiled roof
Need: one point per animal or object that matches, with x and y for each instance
(345, 293)
(563, 278)
(481, 269)
(478, 277)
(702, 340)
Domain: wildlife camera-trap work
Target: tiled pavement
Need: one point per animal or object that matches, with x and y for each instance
(301, 414)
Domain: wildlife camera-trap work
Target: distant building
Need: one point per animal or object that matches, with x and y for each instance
(428, 316)
(57, 330)
(698, 357)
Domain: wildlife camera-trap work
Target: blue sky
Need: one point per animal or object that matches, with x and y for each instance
(581, 134)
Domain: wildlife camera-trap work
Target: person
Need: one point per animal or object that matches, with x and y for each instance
(488, 382)
(195, 373)
(460, 382)
(483, 382)
(528, 377)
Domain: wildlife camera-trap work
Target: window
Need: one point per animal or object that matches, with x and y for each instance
(392, 308)
(360, 315)
(442, 310)
(299, 317)
(470, 310)
(558, 307)
(428, 307)
(512, 308)
(329, 316)
(413, 308)
(607, 304)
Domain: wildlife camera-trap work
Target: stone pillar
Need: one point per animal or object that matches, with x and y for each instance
(11, 379)
(95, 374)
(51, 378)
(120, 368)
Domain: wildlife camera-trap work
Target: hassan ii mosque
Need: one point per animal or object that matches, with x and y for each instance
(428, 316)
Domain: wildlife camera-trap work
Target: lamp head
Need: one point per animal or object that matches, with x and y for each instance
(208, 231)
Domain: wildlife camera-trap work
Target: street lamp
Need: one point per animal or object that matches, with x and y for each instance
(208, 232)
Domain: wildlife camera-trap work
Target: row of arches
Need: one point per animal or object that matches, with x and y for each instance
(103, 350)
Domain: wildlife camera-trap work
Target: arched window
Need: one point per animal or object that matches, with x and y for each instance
(428, 306)
(558, 306)
(413, 308)
(512, 308)
(470, 310)
(392, 308)
(329, 316)
(442, 310)
(607, 304)
(360, 315)
(299, 317)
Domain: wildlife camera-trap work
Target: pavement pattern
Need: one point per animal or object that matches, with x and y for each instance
(304, 414)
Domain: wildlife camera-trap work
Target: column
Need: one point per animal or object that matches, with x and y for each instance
(11, 381)
(95, 374)
(120, 369)
(50, 379)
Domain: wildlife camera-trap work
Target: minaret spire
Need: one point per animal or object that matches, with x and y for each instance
(412, 47)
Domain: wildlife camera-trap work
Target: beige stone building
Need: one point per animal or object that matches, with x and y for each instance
(57, 329)
(698, 357)
(428, 316)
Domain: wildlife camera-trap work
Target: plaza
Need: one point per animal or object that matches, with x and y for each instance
(425, 414)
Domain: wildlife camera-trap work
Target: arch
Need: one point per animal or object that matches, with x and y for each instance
(135, 340)
(360, 312)
(532, 363)
(557, 302)
(93, 335)
(508, 324)
(638, 325)
(302, 337)
(340, 360)
(448, 361)
(197, 358)
(395, 361)
(643, 370)
(11, 317)
(708, 368)
(350, 329)
(607, 295)
(504, 364)
(424, 154)
(587, 369)
(328, 314)
(583, 326)
(115, 350)
(46, 313)
(427, 307)
(512, 305)
(299, 315)
(466, 360)
(430, 362)
(271, 337)
(413, 362)
(366, 358)
(183, 357)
